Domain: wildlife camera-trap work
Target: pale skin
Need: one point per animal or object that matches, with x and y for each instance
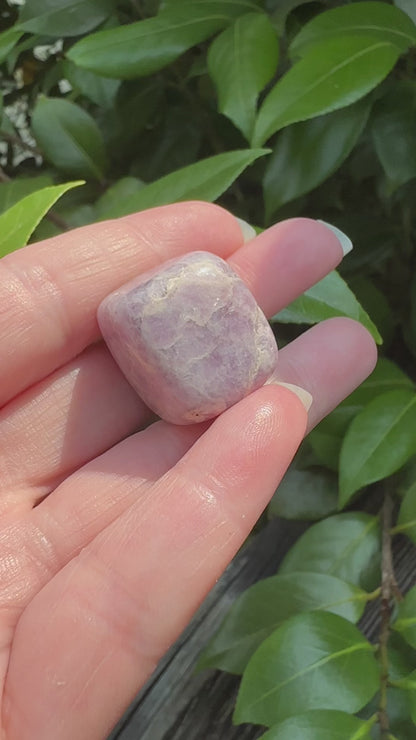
(110, 537)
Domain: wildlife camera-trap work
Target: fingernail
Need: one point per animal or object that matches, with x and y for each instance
(248, 231)
(303, 395)
(344, 240)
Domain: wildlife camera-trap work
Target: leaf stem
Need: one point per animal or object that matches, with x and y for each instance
(373, 595)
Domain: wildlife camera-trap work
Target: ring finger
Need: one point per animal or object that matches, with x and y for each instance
(93, 406)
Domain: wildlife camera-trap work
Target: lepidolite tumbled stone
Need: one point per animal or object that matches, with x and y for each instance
(189, 337)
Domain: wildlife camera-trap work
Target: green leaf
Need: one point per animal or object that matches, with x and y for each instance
(327, 437)
(394, 133)
(101, 90)
(28, 43)
(137, 106)
(386, 376)
(281, 10)
(345, 545)
(175, 143)
(204, 180)
(305, 495)
(306, 153)
(405, 623)
(331, 75)
(269, 603)
(121, 190)
(144, 47)
(409, 685)
(321, 724)
(18, 223)
(330, 297)
(401, 657)
(406, 522)
(315, 660)
(379, 441)
(406, 478)
(241, 61)
(379, 20)
(408, 6)
(13, 191)
(69, 137)
(8, 39)
(399, 714)
(63, 18)
(375, 302)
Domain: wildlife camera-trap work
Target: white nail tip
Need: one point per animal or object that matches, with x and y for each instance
(248, 231)
(301, 393)
(344, 240)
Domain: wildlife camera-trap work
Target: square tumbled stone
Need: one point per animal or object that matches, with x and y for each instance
(189, 337)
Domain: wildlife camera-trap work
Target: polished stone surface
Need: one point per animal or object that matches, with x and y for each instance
(189, 337)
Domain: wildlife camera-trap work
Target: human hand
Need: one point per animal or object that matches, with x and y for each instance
(110, 537)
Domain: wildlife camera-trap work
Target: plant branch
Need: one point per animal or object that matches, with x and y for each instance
(388, 582)
(50, 216)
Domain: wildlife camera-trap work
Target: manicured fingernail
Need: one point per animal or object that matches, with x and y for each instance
(303, 395)
(248, 231)
(344, 240)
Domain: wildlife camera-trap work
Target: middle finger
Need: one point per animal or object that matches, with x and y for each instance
(93, 407)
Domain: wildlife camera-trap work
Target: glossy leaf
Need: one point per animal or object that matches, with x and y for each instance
(18, 223)
(345, 545)
(204, 180)
(305, 495)
(375, 301)
(315, 660)
(394, 133)
(101, 90)
(63, 18)
(379, 441)
(377, 19)
(330, 297)
(327, 437)
(69, 137)
(241, 61)
(141, 48)
(306, 153)
(8, 39)
(13, 191)
(405, 623)
(321, 724)
(332, 75)
(267, 604)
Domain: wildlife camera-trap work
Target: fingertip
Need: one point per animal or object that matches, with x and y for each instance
(251, 444)
(356, 341)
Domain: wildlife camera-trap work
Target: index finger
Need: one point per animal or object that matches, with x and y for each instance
(49, 292)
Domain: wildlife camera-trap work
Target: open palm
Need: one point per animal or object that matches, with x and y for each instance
(110, 537)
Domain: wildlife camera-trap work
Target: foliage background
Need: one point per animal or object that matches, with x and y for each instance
(274, 108)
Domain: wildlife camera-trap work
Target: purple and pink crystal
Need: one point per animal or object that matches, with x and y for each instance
(189, 337)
